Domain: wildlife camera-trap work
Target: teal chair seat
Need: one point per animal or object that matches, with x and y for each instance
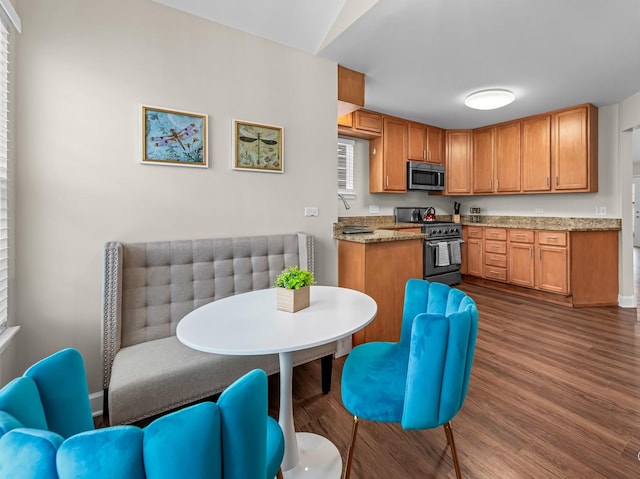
(421, 381)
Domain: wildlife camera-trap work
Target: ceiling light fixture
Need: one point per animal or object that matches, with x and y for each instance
(489, 99)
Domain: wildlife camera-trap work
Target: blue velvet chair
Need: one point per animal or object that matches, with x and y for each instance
(421, 381)
(47, 432)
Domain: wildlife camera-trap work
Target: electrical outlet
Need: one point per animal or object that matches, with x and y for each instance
(311, 211)
(601, 210)
(374, 209)
(539, 211)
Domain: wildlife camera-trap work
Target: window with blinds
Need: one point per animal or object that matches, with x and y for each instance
(345, 166)
(4, 140)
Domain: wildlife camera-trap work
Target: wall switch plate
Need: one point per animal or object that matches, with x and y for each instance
(374, 209)
(539, 211)
(601, 210)
(311, 211)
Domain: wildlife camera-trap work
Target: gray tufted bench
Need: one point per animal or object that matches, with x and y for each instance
(149, 287)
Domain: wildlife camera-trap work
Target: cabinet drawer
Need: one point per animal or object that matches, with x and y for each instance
(474, 231)
(495, 233)
(557, 238)
(491, 259)
(499, 247)
(495, 272)
(521, 236)
(364, 120)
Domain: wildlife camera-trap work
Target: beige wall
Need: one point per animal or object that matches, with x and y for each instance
(83, 68)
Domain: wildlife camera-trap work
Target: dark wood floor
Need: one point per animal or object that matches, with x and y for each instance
(554, 393)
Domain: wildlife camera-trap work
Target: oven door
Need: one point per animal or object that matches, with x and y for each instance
(433, 271)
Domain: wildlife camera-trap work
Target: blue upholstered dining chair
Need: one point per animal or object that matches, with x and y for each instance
(47, 432)
(420, 381)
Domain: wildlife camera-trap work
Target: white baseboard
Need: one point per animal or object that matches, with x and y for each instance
(627, 301)
(96, 403)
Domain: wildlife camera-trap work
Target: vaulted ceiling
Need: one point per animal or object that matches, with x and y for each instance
(421, 58)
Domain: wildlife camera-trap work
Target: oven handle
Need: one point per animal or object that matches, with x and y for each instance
(444, 241)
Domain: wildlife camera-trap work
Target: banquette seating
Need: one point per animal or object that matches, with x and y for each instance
(149, 287)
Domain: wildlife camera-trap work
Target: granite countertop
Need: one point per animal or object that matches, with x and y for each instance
(394, 233)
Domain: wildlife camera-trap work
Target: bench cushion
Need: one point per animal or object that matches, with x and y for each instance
(151, 377)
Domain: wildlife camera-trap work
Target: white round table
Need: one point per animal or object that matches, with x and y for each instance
(249, 324)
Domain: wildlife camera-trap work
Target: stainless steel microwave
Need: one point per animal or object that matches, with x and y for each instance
(425, 176)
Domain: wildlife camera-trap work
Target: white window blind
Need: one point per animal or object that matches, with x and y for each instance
(345, 166)
(4, 140)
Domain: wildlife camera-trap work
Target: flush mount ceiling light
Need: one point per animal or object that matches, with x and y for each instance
(489, 99)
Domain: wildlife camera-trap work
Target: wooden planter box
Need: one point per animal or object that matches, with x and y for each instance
(292, 300)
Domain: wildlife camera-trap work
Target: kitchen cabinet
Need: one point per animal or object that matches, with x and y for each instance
(536, 154)
(458, 162)
(577, 268)
(552, 262)
(426, 143)
(483, 160)
(520, 268)
(381, 271)
(507, 157)
(360, 124)
(575, 149)
(473, 263)
(495, 254)
(387, 158)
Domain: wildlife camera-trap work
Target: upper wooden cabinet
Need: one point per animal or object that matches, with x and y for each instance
(536, 154)
(350, 90)
(388, 158)
(426, 143)
(507, 159)
(360, 124)
(483, 160)
(575, 149)
(458, 162)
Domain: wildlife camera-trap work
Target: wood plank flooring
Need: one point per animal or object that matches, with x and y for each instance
(554, 393)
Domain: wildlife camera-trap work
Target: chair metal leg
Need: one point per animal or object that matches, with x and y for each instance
(449, 433)
(280, 475)
(354, 431)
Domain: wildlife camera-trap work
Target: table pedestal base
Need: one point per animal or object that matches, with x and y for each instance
(319, 458)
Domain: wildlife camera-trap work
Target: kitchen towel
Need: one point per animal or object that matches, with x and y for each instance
(442, 256)
(455, 252)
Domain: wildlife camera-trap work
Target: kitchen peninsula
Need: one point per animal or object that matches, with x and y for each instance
(568, 261)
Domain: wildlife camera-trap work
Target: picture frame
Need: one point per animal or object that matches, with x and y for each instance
(173, 137)
(257, 147)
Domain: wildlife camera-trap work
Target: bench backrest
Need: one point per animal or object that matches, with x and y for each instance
(149, 287)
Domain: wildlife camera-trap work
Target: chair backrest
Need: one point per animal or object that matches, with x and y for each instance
(52, 395)
(441, 339)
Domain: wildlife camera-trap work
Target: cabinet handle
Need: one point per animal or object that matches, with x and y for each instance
(556, 181)
(490, 183)
(424, 154)
(552, 238)
(546, 182)
(520, 235)
(530, 252)
(386, 180)
(539, 253)
(497, 184)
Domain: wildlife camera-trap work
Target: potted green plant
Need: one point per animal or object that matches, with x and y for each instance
(293, 289)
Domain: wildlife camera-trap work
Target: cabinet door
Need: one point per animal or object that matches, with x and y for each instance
(458, 162)
(417, 141)
(536, 153)
(346, 120)
(367, 121)
(435, 145)
(570, 158)
(394, 154)
(552, 269)
(474, 257)
(483, 160)
(521, 264)
(507, 157)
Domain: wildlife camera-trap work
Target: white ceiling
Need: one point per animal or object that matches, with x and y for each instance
(422, 57)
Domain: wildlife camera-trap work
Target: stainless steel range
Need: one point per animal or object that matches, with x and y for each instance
(441, 258)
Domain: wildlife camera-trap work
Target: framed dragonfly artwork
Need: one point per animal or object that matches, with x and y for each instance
(171, 137)
(257, 147)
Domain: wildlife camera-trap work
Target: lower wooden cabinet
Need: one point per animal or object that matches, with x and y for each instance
(577, 268)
